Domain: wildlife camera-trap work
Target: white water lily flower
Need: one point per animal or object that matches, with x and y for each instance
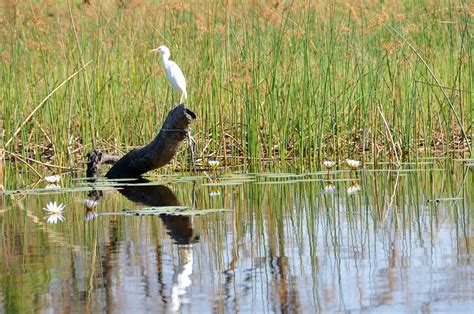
(52, 179)
(329, 188)
(90, 204)
(54, 218)
(353, 163)
(215, 193)
(329, 164)
(213, 163)
(55, 212)
(90, 214)
(354, 188)
(52, 187)
(54, 208)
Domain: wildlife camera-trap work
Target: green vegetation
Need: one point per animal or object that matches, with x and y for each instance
(329, 79)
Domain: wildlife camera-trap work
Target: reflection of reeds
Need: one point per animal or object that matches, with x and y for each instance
(2, 186)
(266, 81)
(282, 239)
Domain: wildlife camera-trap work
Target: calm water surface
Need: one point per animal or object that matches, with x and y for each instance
(269, 241)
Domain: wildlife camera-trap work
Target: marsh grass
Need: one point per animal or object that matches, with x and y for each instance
(267, 81)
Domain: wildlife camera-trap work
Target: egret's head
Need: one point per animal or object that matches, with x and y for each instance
(162, 50)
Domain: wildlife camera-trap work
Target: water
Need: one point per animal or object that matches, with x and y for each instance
(268, 242)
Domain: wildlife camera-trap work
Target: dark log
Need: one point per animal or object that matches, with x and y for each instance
(96, 158)
(160, 151)
(149, 157)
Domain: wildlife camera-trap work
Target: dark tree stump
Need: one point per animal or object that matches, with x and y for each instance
(149, 157)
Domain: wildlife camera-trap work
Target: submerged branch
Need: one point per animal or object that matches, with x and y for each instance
(96, 158)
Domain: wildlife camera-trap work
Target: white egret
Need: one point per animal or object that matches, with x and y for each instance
(173, 72)
(177, 81)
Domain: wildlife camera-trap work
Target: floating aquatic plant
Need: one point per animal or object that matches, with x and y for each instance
(214, 193)
(329, 164)
(90, 204)
(90, 214)
(213, 163)
(354, 188)
(52, 179)
(52, 187)
(330, 187)
(353, 163)
(55, 211)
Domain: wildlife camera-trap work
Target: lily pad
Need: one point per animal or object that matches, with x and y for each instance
(224, 183)
(55, 191)
(166, 210)
(445, 199)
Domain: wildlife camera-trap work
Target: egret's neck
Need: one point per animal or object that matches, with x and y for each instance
(165, 58)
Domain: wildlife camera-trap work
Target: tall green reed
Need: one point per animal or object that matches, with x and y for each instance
(299, 81)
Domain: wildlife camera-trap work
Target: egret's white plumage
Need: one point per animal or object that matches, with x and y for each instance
(173, 72)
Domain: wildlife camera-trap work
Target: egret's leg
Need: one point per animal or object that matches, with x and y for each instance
(181, 99)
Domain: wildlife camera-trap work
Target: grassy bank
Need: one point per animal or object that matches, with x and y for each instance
(329, 79)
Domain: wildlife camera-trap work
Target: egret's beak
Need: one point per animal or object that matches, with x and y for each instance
(152, 50)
